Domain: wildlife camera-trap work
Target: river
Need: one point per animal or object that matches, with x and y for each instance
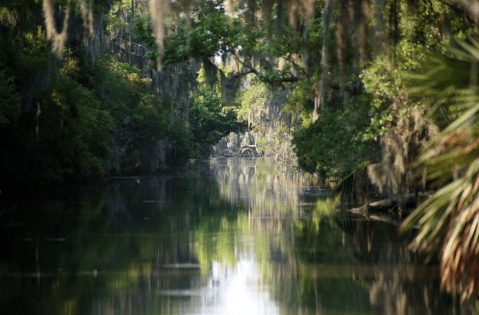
(225, 236)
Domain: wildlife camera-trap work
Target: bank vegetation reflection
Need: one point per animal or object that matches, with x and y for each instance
(228, 236)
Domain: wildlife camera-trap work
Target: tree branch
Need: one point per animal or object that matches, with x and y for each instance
(251, 69)
(470, 8)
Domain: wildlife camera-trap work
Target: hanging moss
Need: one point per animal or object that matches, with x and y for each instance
(57, 39)
(159, 11)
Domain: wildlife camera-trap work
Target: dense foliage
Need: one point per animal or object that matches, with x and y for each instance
(61, 127)
(211, 119)
(359, 105)
(348, 97)
(348, 65)
(84, 117)
(333, 145)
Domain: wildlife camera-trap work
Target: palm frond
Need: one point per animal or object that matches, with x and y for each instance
(449, 220)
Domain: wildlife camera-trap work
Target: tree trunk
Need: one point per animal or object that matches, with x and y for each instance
(320, 99)
(186, 110)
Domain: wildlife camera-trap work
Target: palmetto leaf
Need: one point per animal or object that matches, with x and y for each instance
(450, 218)
(440, 73)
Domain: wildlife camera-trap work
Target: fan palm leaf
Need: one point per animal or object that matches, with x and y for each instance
(449, 220)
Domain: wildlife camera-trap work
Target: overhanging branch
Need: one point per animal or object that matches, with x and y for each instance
(251, 69)
(470, 8)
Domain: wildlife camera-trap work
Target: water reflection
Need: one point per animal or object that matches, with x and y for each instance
(228, 236)
(265, 186)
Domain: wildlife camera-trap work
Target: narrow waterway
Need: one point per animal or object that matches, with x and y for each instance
(227, 236)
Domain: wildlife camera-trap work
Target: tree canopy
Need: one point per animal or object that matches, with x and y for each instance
(93, 88)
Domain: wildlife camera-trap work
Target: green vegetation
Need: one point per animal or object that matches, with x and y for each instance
(79, 116)
(360, 77)
(211, 118)
(332, 146)
(449, 218)
(63, 126)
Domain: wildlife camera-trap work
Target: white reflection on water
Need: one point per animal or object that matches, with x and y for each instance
(238, 291)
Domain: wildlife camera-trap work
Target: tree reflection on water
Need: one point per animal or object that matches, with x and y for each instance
(227, 236)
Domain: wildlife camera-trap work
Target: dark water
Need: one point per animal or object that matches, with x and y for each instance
(230, 236)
